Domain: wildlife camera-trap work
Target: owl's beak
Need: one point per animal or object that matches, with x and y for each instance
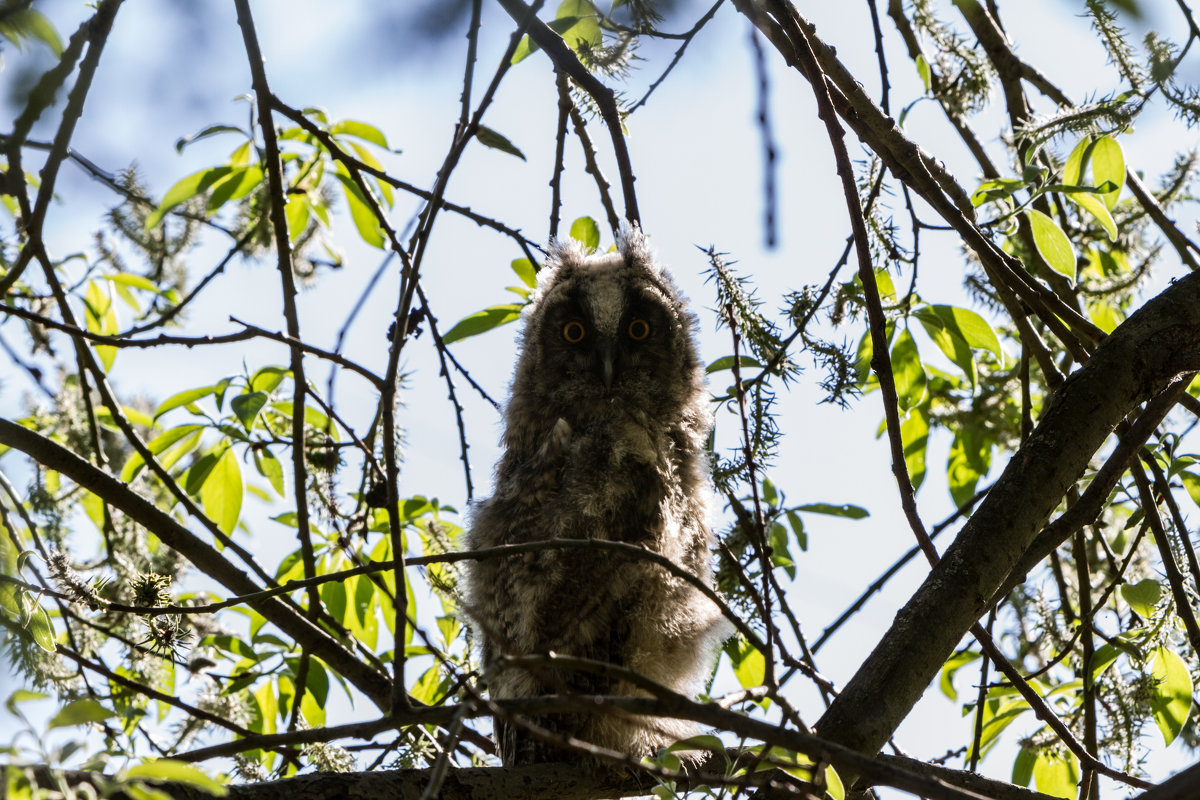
(607, 356)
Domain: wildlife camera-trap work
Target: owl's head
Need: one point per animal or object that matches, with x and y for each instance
(607, 329)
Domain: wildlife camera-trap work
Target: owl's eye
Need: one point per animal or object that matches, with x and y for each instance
(639, 330)
(573, 332)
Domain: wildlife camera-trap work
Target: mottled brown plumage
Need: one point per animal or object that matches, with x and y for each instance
(605, 438)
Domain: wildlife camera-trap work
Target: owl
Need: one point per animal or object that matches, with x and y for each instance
(605, 438)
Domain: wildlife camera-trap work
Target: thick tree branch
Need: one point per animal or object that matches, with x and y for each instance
(1137, 361)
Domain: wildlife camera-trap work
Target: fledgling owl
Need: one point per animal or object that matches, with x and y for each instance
(605, 438)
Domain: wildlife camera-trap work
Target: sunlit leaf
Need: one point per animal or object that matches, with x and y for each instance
(165, 769)
(1022, 771)
(726, 362)
(80, 712)
(525, 271)
(184, 398)
(997, 189)
(970, 459)
(1191, 481)
(221, 494)
(750, 666)
(1056, 773)
(953, 664)
(1052, 243)
(246, 407)
(586, 231)
(481, 322)
(158, 445)
(237, 184)
(1096, 207)
(908, 371)
(211, 130)
(949, 341)
(269, 467)
(1171, 698)
(924, 71)
(915, 432)
(1108, 164)
(18, 24)
(185, 189)
(364, 218)
(41, 628)
(1142, 596)
(100, 317)
(359, 130)
(844, 510)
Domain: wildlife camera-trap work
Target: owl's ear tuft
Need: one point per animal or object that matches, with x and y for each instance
(635, 249)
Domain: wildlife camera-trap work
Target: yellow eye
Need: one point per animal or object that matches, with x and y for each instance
(639, 330)
(573, 332)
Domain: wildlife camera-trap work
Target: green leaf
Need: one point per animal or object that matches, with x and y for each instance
(221, 494)
(1097, 208)
(101, 318)
(269, 467)
(1022, 772)
(185, 189)
(80, 712)
(914, 431)
(268, 379)
(925, 73)
(769, 493)
(497, 141)
(909, 373)
(844, 510)
(297, 212)
(1073, 166)
(1052, 243)
(797, 526)
(953, 664)
(1108, 164)
(237, 184)
(726, 362)
(973, 328)
(525, 271)
(42, 629)
(1104, 657)
(952, 345)
(970, 459)
(246, 407)
(359, 130)
(1056, 773)
(1142, 596)
(1191, 482)
(160, 444)
(833, 784)
(577, 20)
(166, 769)
(184, 398)
(997, 189)
(364, 218)
(587, 232)
(29, 23)
(780, 555)
(211, 130)
(428, 685)
(1171, 700)
(136, 281)
(749, 665)
(482, 321)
